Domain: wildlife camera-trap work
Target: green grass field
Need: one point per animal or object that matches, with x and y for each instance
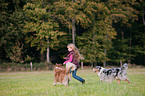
(41, 84)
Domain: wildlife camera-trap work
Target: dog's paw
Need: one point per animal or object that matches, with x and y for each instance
(66, 85)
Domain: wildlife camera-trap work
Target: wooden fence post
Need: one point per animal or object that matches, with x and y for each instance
(82, 65)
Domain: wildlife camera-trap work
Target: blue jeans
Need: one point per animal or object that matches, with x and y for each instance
(75, 76)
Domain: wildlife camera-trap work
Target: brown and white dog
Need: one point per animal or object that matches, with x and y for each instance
(62, 75)
(111, 74)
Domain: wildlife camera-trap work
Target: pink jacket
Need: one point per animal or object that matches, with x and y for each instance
(71, 59)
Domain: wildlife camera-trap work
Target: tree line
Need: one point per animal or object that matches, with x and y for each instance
(105, 31)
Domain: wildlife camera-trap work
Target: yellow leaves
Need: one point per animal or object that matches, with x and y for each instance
(43, 29)
(40, 11)
(69, 9)
(81, 11)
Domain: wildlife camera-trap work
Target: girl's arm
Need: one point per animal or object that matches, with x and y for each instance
(70, 59)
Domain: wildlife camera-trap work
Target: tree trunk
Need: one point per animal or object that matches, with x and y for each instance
(73, 31)
(73, 28)
(122, 43)
(82, 65)
(42, 58)
(122, 35)
(130, 37)
(105, 51)
(48, 59)
(95, 63)
(69, 28)
(105, 61)
(92, 65)
(143, 16)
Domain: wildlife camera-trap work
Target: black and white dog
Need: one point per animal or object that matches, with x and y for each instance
(111, 74)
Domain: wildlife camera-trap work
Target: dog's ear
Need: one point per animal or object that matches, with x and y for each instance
(59, 64)
(94, 70)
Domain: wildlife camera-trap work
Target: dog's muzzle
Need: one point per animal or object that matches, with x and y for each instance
(95, 70)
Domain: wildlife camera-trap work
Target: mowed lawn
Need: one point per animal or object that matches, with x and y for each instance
(37, 83)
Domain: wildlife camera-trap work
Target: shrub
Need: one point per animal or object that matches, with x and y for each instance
(25, 67)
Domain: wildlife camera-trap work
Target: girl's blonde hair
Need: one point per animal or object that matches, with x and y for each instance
(77, 55)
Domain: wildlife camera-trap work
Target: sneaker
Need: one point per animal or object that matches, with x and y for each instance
(83, 81)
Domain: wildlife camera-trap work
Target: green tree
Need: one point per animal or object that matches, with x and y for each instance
(108, 13)
(71, 14)
(11, 20)
(126, 14)
(96, 41)
(138, 35)
(42, 29)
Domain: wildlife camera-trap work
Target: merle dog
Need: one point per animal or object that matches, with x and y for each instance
(111, 74)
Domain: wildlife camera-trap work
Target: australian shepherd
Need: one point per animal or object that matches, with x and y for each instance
(62, 75)
(111, 74)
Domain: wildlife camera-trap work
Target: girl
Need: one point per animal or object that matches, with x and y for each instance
(72, 58)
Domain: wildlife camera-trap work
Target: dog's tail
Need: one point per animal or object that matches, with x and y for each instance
(67, 71)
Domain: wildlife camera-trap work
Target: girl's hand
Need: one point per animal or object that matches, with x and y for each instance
(64, 57)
